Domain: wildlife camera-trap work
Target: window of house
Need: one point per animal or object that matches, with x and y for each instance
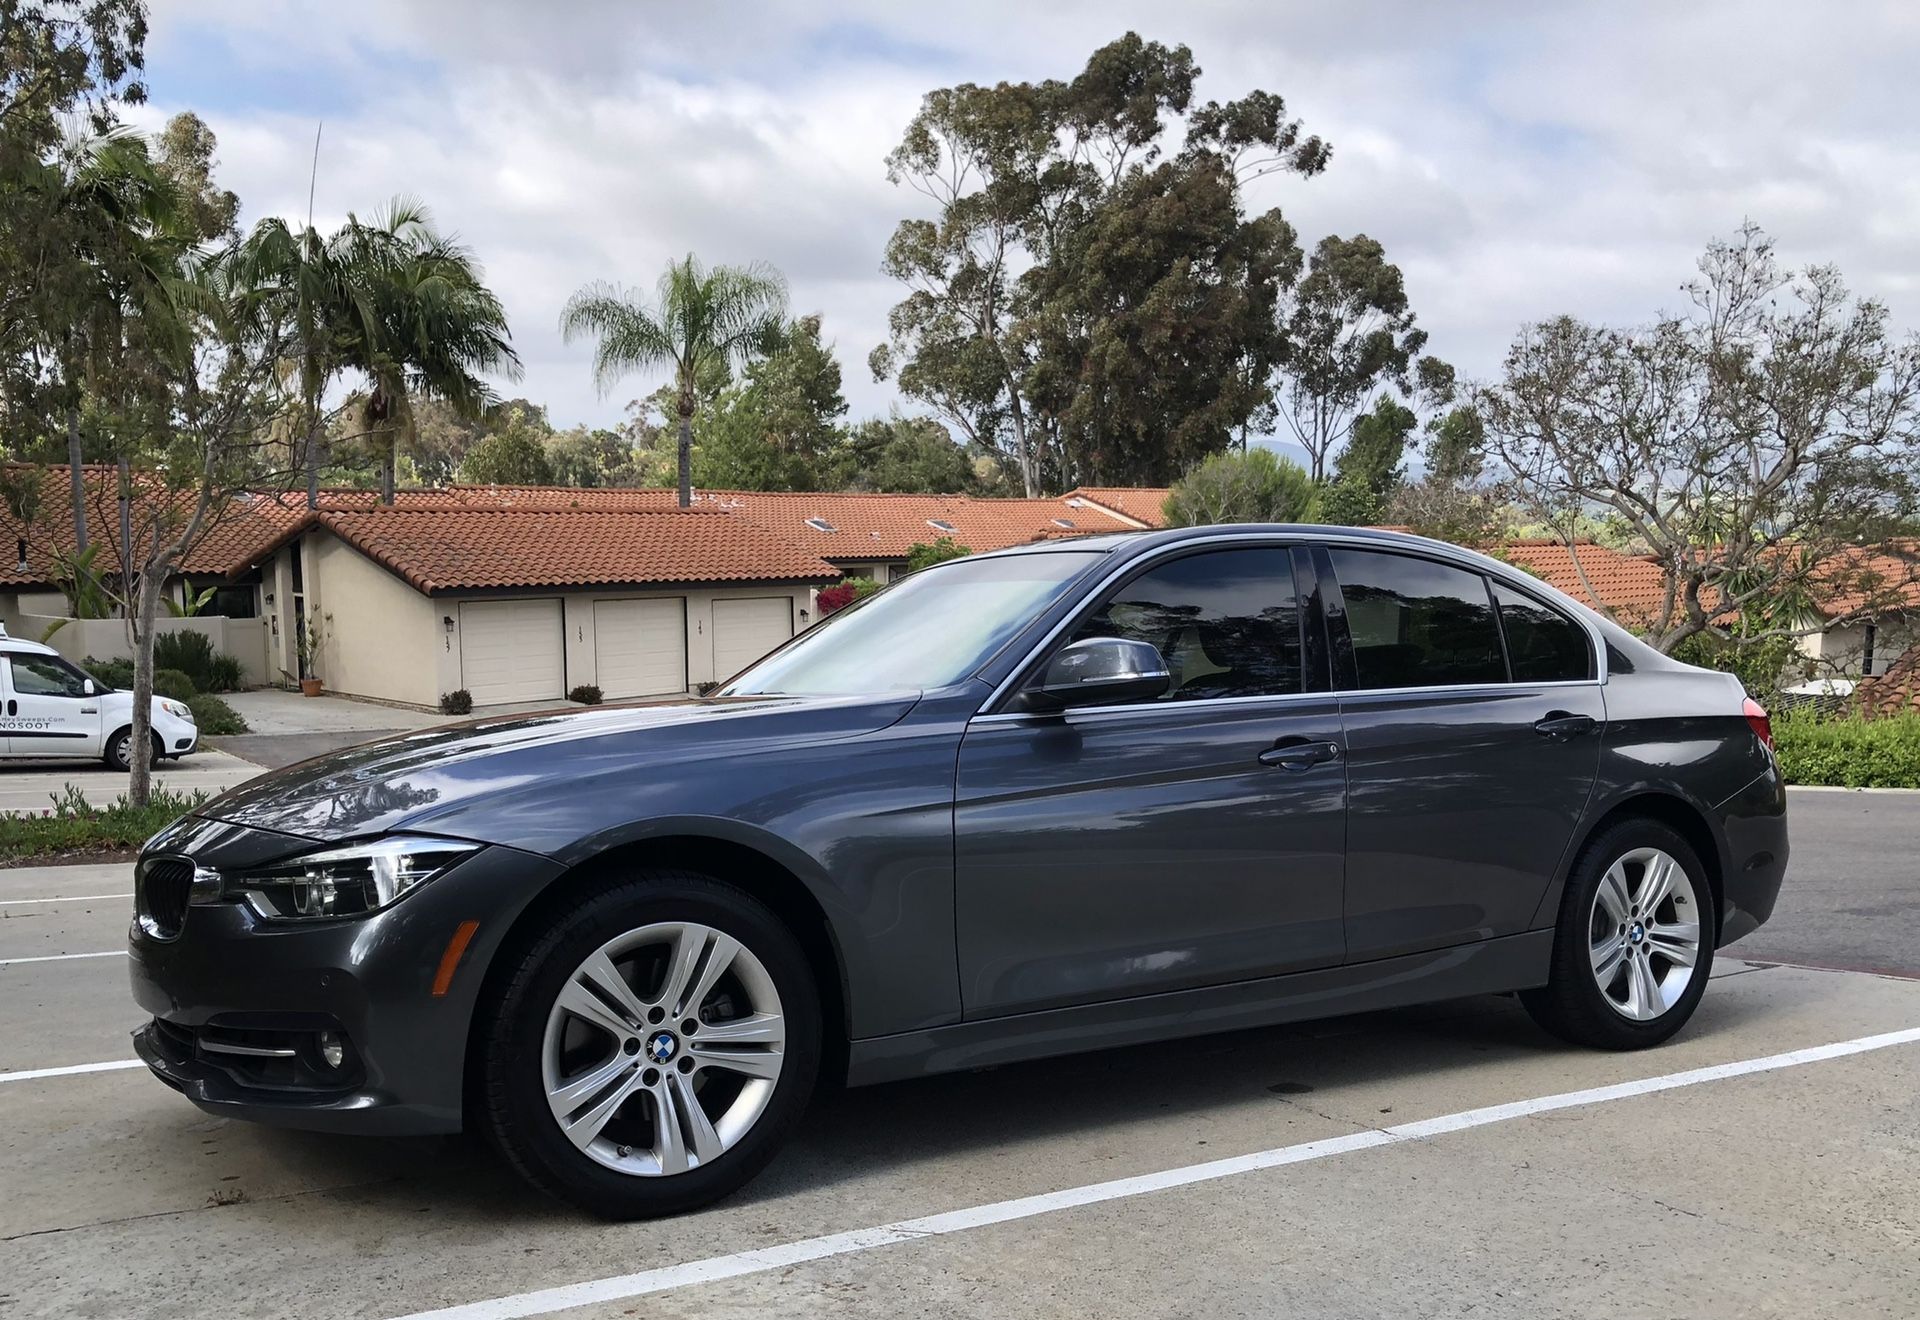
(1417, 623)
(1543, 645)
(1227, 622)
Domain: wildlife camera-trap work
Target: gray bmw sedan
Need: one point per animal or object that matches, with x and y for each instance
(1078, 795)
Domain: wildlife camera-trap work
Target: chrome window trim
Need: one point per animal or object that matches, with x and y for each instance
(1453, 555)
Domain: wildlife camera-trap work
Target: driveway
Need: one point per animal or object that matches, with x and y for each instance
(1444, 1161)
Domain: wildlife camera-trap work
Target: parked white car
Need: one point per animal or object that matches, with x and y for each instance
(50, 707)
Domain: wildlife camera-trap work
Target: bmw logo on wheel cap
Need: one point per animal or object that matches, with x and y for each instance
(661, 1046)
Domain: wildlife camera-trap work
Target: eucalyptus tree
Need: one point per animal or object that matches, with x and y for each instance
(699, 319)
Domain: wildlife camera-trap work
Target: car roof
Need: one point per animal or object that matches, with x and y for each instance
(1151, 538)
(21, 646)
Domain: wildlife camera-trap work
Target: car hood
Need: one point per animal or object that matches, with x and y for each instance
(459, 777)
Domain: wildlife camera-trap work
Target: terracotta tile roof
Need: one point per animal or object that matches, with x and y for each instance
(461, 549)
(1628, 585)
(877, 526)
(1140, 505)
(1897, 690)
(1869, 579)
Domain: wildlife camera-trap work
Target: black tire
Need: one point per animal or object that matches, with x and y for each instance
(1573, 1004)
(512, 1105)
(118, 755)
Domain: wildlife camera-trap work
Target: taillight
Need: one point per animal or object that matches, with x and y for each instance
(1757, 721)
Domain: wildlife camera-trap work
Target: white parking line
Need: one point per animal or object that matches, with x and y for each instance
(71, 1070)
(62, 957)
(666, 1278)
(77, 898)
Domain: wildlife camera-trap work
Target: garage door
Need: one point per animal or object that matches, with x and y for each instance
(511, 650)
(640, 647)
(745, 630)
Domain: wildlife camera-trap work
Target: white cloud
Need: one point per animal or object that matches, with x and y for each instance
(1522, 162)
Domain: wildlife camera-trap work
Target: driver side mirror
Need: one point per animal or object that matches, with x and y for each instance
(1099, 671)
(86, 687)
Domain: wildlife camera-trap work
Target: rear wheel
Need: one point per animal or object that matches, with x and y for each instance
(1634, 944)
(653, 1048)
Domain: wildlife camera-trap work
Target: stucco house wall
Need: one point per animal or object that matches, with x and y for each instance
(381, 639)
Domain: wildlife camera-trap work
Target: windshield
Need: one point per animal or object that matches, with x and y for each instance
(925, 631)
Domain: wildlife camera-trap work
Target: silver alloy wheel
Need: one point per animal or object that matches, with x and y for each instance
(1644, 934)
(662, 1049)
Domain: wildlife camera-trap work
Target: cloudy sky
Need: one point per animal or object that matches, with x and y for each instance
(1517, 159)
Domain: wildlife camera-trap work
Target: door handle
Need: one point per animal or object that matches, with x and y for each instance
(1299, 754)
(89, 710)
(1559, 725)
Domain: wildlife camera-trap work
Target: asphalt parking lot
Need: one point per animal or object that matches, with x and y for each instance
(1448, 1161)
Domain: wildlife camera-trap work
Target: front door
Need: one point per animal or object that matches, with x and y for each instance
(49, 711)
(1472, 719)
(1194, 840)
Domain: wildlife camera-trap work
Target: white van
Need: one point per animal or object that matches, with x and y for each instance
(50, 707)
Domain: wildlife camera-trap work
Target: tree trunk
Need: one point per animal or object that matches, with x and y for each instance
(686, 451)
(313, 457)
(126, 531)
(76, 477)
(388, 461)
(140, 745)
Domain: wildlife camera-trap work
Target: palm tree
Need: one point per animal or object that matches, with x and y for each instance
(438, 326)
(700, 319)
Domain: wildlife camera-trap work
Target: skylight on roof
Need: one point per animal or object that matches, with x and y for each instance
(940, 525)
(1064, 522)
(821, 525)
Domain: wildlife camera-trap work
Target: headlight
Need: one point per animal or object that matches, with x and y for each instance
(344, 882)
(178, 710)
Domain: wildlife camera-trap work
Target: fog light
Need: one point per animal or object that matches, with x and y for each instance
(333, 1050)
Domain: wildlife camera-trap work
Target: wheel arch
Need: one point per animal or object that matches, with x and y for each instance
(1675, 810)
(755, 869)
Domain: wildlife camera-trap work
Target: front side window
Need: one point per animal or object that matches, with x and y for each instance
(44, 676)
(1543, 645)
(1227, 622)
(928, 630)
(1417, 623)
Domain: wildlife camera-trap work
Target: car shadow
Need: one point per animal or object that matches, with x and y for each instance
(1369, 1060)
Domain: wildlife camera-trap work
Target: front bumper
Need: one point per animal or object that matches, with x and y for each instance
(230, 976)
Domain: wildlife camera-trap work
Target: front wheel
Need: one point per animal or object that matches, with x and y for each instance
(653, 1048)
(1634, 944)
(119, 753)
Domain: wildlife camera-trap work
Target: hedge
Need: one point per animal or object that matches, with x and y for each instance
(71, 825)
(1849, 751)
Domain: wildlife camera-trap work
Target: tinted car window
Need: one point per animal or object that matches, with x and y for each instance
(1543, 646)
(43, 676)
(1227, 622)
(1416, 623)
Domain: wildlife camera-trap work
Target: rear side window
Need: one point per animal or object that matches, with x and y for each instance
(1227, 622)
(1417, 623)
(1543, 646)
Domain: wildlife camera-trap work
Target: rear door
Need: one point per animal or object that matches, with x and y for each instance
(1472, 714)
(1110, 852)
(49, 711)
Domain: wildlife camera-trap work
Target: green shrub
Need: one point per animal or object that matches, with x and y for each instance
(225, 675)
(586, 694)
(173, 683)
(114, 673)
(1849, 751)
(456, 703)
(71, 825)
(214, 716)
(189, 652)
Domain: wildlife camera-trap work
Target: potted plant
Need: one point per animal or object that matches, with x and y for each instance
(311, 641)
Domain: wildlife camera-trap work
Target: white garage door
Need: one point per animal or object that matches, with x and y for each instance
(745, 630)
(511, 650)
(640, 647)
